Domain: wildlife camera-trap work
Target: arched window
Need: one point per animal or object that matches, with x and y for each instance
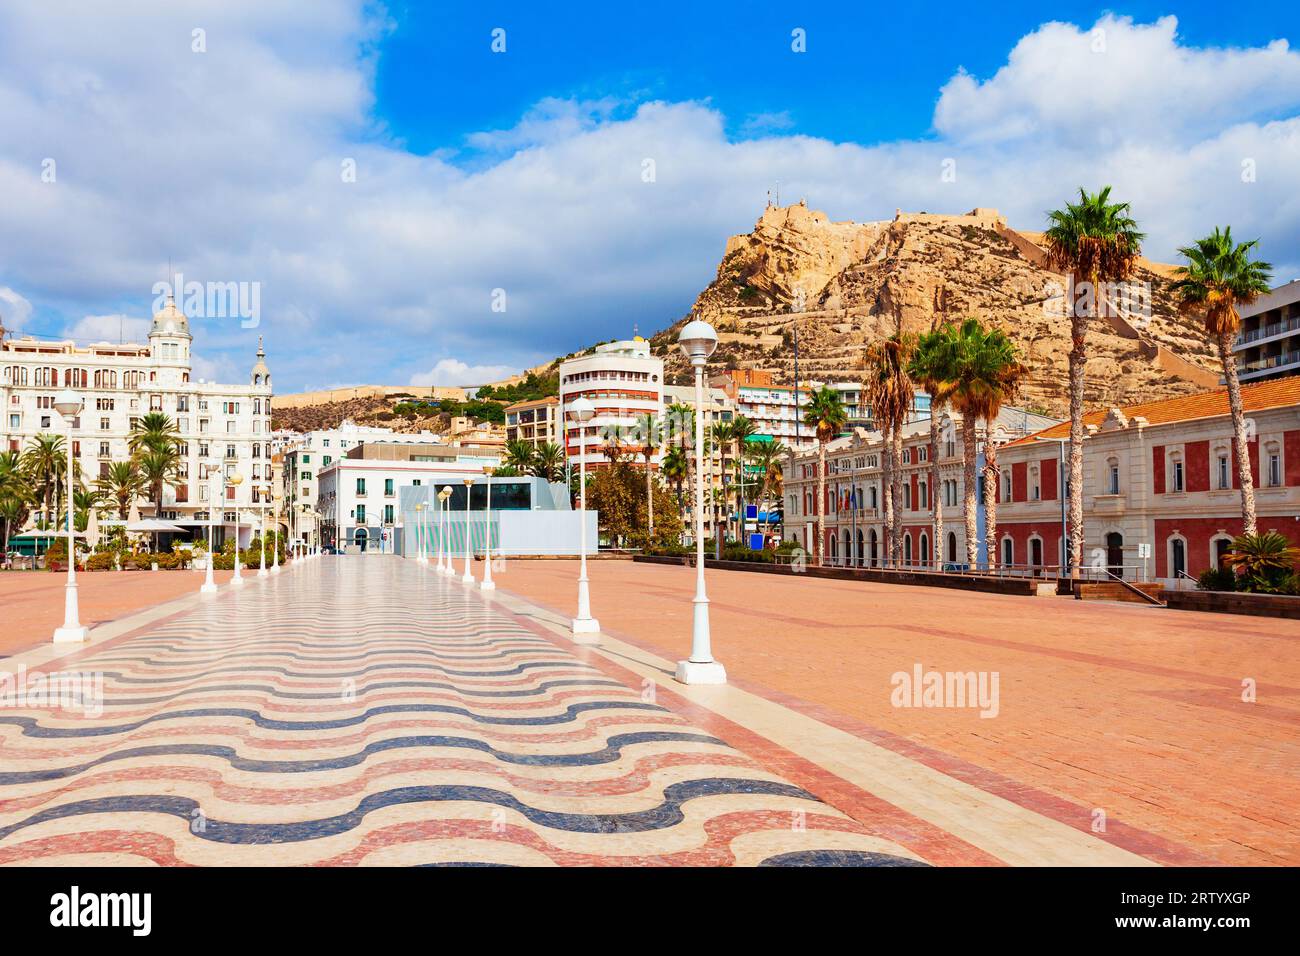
(907, 548)
(1008, 552)
(1177, 557)
(952, 548)
(925, 548)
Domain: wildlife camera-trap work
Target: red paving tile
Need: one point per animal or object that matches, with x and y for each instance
(1136, 711)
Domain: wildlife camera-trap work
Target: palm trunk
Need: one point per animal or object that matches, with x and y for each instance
(887, 501)
(991, 484)
(1239, 442)
(1078, 367)
(821, 499)
(969, 453)
(936, 539)
(896, 452)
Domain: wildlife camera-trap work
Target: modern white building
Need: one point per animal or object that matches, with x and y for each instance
(359, 494)
(224, 429)
(306, 453)
(624, 381)
(1269, 343)
(773, 408)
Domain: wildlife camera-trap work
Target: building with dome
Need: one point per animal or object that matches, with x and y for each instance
(225, 430)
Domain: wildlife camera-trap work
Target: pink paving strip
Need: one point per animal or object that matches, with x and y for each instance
(1135, 840)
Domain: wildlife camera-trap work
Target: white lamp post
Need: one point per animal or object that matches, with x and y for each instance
(582, 411)
(209, 579)
(444, 543)
(261, 533)
(487, 584)
(68, 404)
(697, 341)
(275, 555)
(419, 534)
(237, 580)
(468, 576)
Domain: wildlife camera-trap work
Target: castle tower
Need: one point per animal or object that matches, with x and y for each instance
(169, 344)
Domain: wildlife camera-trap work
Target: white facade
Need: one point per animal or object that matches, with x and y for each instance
(361, 497)
(624, 381)
(224, 429)
(309, 452)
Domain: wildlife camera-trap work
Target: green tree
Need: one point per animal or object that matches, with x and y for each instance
(519, 455)
(15, 495)
(986, 371)
(158, 469)
(1219, 277)
(123, 484)
(1265, 563)
(548, 461)
(891, 393)
(825, 413)
(741, 431)
(932, 368)
(651, 439)
(1097, 241)
(45, 460)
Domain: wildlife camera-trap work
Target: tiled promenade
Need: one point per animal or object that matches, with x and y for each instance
(365, 710)
(1132, 711)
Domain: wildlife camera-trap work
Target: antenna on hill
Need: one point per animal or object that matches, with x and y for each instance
(778, 192)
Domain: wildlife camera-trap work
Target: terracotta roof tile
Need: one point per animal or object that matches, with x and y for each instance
(1257, 396)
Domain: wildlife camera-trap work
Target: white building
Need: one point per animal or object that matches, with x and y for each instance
(624, 381)
(359, 494)
(224, 429)
(308, 452)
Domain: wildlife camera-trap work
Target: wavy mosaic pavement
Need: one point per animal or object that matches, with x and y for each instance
(369, 711)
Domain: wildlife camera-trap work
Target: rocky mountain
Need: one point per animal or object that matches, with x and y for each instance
(846, 284)
(367, 410)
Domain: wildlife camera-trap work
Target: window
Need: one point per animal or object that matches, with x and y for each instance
(1035, 485)
(1006, 486)
(104, 451)
(14, 421)
(1225, 477)
(361, 486)
(388, 487)
(1178, 475)
(388, 514)
(1112, 477)
(306, 459)
(105, 424)
(1008, 551)
(361, 512)
(1274, 478)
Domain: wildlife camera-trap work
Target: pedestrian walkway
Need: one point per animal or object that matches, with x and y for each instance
(370, 711)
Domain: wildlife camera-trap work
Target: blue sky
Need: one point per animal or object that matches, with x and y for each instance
(483, 177)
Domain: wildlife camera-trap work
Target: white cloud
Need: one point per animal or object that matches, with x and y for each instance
(229, 163)
(108, 328)
(455, 372)
(14, 309)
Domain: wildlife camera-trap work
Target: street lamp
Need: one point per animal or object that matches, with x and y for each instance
(419, 534)
(444, 538)
(261, 524)
(582, 411)
(697, 341)
(68, 404)
(487, 584)
(468, 576)
(237, 580)
(209, 580)
(277, 497)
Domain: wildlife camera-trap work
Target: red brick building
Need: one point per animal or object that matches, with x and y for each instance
(1162, 474)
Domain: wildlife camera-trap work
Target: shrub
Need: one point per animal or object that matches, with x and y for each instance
(1266, 562)
(1217, 579)
(102, 561)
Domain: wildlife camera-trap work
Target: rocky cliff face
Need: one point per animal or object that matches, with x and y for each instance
(858, 282)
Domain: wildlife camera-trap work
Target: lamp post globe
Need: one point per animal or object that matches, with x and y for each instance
(583, 625)
(68, 404)
(697, 340)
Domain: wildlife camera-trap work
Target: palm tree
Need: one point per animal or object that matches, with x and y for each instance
(931, 366)
(548, 461)
(1096, 240)
(891, 394)
(158, 468)
(1219, 277)
(742, 429)
(768, 455)
(651, 438)
(825, 413)
(720, 434)
(45, 460)
(1263, 562)
(15, 494)
(676, 468)
(123, 484)
(986, 371)
(519, 455)
(83, 500)
(154, 432)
